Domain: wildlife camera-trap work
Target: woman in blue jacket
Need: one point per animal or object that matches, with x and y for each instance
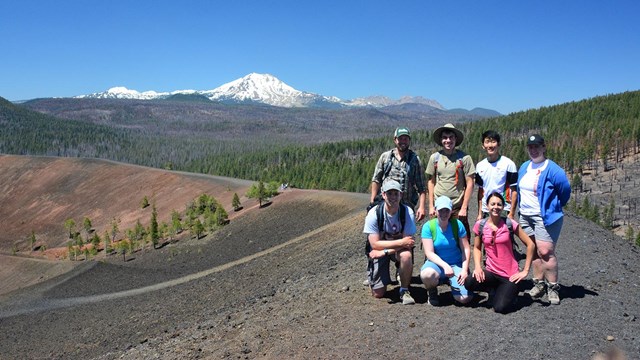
(543, 189)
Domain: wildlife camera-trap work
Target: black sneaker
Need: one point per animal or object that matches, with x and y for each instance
(433, 297)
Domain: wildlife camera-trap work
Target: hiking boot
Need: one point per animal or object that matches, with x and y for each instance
(406, 298)
(433, 297)
(538, 289)
(553, 294)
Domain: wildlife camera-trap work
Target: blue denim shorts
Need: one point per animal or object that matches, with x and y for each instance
(456, 289)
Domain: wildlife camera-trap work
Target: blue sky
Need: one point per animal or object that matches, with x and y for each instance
(503, 55)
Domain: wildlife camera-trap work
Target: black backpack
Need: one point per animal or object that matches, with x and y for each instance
(380, 218)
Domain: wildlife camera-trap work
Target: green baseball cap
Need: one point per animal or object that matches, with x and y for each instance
(401, 131)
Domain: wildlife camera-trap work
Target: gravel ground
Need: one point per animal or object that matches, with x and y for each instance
(285, 281)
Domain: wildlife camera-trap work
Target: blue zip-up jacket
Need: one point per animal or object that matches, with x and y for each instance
(553, 191)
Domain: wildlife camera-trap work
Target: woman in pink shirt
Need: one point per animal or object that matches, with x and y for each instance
(501, 272)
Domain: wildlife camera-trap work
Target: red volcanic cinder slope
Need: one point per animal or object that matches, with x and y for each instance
(40, 193)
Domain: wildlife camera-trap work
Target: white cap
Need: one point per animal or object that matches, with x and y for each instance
(443, 202)
(390, 184)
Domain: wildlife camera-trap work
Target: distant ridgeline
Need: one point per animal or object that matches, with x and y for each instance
(580, 135)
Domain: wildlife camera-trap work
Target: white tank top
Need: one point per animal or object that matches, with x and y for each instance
(528, 188)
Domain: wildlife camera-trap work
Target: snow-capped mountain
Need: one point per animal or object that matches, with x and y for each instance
(121, 92)
(267, 89)
(263, 89)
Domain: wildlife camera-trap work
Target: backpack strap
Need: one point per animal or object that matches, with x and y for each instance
(436, 159)
(459, 165)
(432, 226)
(402, 213)
(380, 217)
(511, 235)
(403, 216)
(385, 173)
(454, 227)
(483, 222)
(433, 223)
(387, 165)
(507, 221)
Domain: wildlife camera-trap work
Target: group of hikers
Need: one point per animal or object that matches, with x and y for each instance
(402, 193)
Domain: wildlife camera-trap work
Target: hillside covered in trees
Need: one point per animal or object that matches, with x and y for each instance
(307, 148)
(171, 134)
(321, 149)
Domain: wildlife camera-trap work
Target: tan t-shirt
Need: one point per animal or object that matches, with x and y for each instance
(446, 177)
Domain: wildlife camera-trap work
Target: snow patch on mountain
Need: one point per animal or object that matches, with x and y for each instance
(263, 89)
(381, 101)
(121, 92)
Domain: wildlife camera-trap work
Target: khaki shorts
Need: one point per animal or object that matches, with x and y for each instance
(534, 226)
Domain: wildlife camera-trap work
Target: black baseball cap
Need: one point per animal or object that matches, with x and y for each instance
(535, 139)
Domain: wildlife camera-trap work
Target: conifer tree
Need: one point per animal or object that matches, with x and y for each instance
(32, 240)
(176, 223)
(107, 243)
(629, 234)
(197, 228)
(144, 202)
(235, 202)
(95, 240)
(114, 228)
(70, 225)
(221, 216)
(608, 215)
(594, 215)
(153, 227)
(585, 209)
(71, 250)
(576, 183)
(138, 231)
(257, 192)
(163, 230)
(86, 226)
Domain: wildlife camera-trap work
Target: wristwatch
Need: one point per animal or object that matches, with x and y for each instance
(386, 251)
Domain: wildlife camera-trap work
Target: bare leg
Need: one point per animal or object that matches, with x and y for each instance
(379, 293)
(406, 268)
(430, 278)
(548, 261)
(536, 263)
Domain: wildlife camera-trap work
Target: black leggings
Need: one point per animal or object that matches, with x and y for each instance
(505, 290)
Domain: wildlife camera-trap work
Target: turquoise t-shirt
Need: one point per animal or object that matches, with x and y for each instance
(444, 244)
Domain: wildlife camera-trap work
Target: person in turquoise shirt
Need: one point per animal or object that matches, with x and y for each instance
(446, 247)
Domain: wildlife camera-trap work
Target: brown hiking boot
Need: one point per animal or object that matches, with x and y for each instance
(553, 293)
(538, 290)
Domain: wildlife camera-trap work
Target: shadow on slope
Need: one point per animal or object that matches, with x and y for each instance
(293, 216)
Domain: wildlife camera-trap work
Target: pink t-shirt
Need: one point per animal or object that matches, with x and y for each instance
(498, 248)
